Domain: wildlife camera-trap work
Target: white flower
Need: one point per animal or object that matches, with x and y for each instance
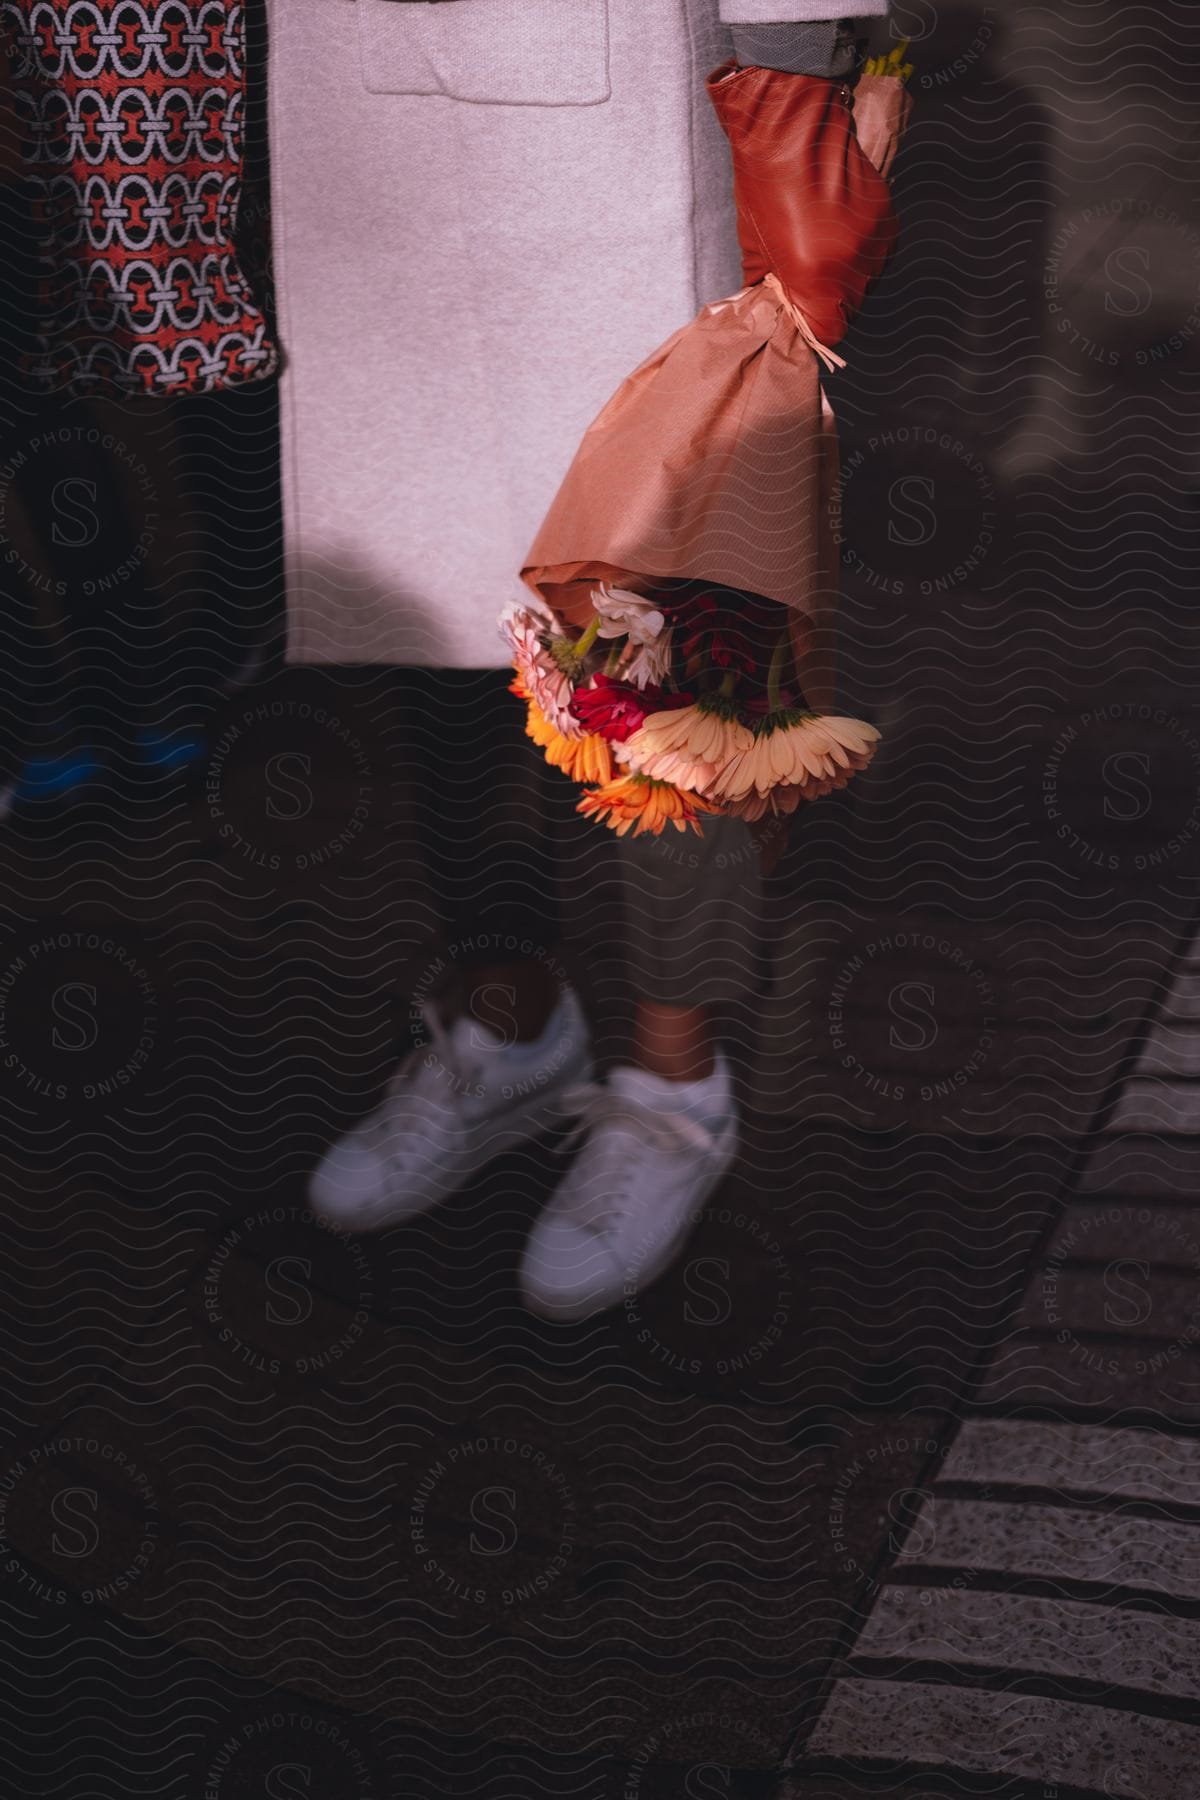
(652, 664)
(624, 614)
(635, 617)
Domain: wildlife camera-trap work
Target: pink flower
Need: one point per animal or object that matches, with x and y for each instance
(530, 640)
(796, 751)
(679, 767)
(785, 799)
(690, 746)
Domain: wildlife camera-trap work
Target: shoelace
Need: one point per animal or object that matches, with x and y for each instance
(381, 1127)
(597, 1106)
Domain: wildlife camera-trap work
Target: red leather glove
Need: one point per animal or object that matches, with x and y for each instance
(811, 206)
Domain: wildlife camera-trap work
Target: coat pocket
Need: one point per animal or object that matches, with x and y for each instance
(496, 52)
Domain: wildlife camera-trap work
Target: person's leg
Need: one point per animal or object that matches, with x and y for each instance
(693, 925)
(482, 800)
(673, 1042)
(498, 1038)
(662, 1131)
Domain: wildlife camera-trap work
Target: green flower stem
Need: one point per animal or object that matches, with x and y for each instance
(727, 681)
(775, 670)
(614, 656)
(583, 644)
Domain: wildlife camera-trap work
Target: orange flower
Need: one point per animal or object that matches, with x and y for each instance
(582, 758)
(638, 804)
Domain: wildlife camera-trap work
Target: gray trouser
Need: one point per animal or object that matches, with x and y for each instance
(484, 803)
(693, 914)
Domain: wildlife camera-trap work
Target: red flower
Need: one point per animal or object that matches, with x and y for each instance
(710, 621)
(616, 709)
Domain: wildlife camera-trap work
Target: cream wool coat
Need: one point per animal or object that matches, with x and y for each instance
(486, 213)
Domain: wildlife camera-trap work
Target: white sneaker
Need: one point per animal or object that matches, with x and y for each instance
(654, 1152)
(449, 1109)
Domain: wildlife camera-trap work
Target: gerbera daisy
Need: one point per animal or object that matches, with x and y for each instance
(548, 662)
(584, 758)
(637, 619)
(623, 613)
(854, 736)
(786, 798)
(676, 766)
(708, 731)
(635, 803)
(616, 709)
(793, 748)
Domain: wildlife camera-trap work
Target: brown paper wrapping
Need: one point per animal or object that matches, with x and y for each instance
(716, 460)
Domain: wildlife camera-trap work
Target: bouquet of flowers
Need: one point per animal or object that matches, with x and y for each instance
(676, 703)
(677, 655)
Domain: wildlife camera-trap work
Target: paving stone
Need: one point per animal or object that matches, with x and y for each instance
(1112, 1462)
(1128, 1298)
(1095, 1749)
(1051, 1543)
(1070, 1640)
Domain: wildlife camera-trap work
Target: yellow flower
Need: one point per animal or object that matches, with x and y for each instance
(635, 803)
(892, 63)
(583, 758)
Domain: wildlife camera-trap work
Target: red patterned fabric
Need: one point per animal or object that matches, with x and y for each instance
(132, 116)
